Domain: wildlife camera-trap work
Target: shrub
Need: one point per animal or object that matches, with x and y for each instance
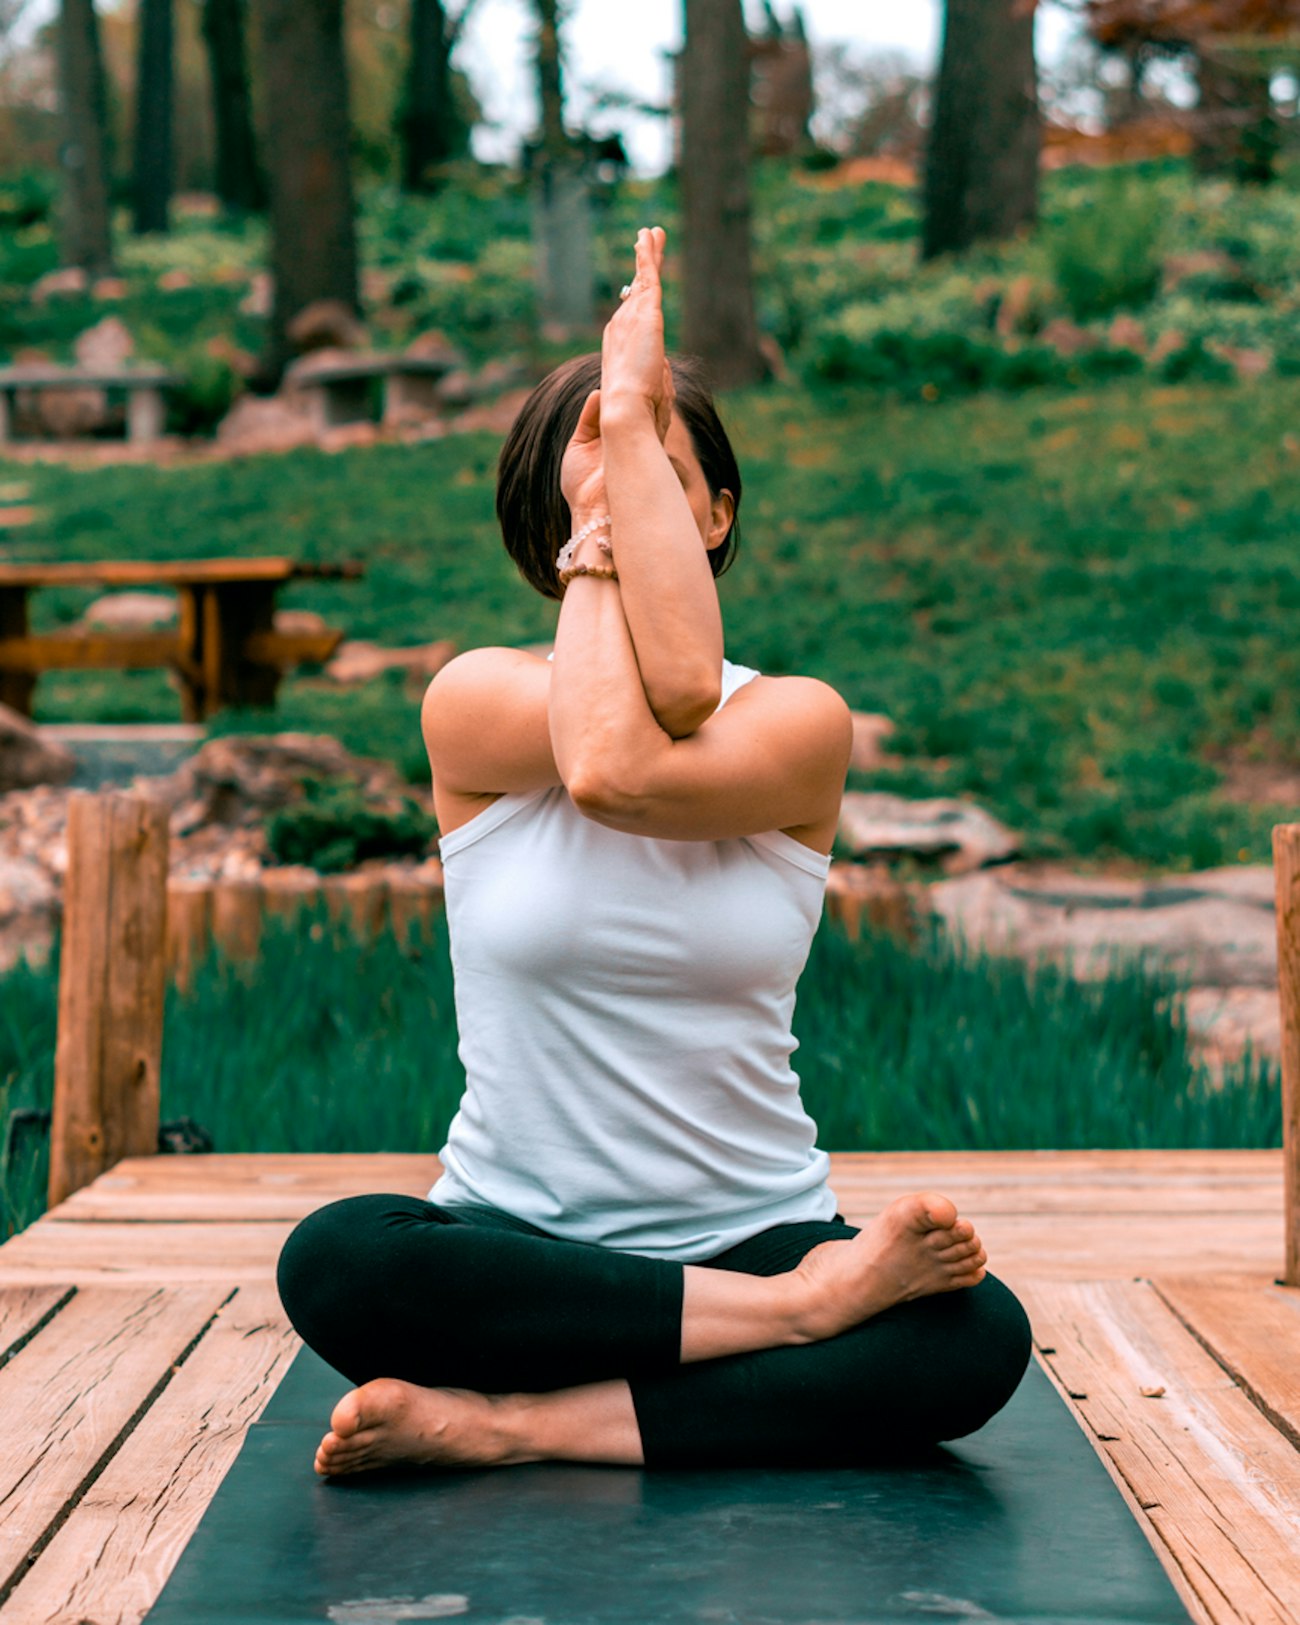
(335, 826)
(1106, 254)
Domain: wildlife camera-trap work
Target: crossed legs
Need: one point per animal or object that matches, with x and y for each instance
(475, 1339)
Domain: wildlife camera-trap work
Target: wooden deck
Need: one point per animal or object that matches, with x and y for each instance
(140, 1334)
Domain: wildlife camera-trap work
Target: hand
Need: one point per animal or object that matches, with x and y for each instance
(582, 468)
(634, 367)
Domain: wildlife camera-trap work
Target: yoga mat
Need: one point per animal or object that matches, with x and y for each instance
(1019, 1523)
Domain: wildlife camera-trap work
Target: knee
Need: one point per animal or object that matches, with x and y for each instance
(329, 1259)
(990, 1361)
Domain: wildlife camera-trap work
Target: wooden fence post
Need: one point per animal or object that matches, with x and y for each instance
(112, 976)
(1286, 878)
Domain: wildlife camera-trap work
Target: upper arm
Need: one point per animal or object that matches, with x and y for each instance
(774, 757)
(485, 725)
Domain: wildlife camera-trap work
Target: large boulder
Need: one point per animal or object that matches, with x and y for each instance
(265, 423)
(1216, 928)
(237, 779)
(955, 835)
(107, 346)
(26, 758)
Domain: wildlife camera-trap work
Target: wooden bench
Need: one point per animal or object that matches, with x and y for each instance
(338, 391)
(225, 647)
(144, 386)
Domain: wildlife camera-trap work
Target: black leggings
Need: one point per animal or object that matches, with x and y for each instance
(393, 1286)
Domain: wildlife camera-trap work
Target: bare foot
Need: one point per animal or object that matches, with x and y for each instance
(388, 1422)
(916, 1246)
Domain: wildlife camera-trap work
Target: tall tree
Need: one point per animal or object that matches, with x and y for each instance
(718, 318)
(431, 125)
(239, 181)
(981, 165)
(153, 116)
(313, 234)
(561, 185)
(84, 235)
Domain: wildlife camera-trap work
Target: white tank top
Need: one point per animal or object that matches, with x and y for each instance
(624, 1006)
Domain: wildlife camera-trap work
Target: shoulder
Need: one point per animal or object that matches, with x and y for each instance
(805, 703)
(477, 674)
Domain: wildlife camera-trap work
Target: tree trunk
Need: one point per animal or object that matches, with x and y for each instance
(428, 119)
(84, 228)
(153, 116)
(550, 81)
(981, 170)
(1237, 131)
(313, 238)
(718, 320)
(239, 181)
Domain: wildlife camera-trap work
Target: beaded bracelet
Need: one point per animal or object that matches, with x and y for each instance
(570, 547)
(566, 576)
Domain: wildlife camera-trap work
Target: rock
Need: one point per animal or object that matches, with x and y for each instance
(197, 205)
(265, 423)
(260, 296)
(359, 662)
(14, 518)
(1201, 262)
(1019, 307)
(1168, 343)
(314, 361)
(858, 893)
(344, 436)
(870, 730)
(1246, 363)
(434, 345)
(1066, 338)
(1216, 928)
(29, 911)
(326, 324)
(241, 362)
(107, 345)
(109, 287)
(132, 611)
(1126, 333)
(1225, 1022)
(495, 417)
(65, 414)
(235, 780)
(457, 388)
(68, 280)
(955, 834)
(26, 758)
(376, 285)
(173, 281)
(299, 620)
(500, 374)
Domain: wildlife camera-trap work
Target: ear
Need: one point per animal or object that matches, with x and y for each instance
(722, 515)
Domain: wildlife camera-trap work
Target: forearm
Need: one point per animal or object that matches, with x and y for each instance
(669, 598)
(600, 718)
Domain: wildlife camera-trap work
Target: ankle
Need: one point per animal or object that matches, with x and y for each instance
(519, 1427)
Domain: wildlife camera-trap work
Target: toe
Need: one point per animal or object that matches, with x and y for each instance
(936, 1212)
(345, 1418)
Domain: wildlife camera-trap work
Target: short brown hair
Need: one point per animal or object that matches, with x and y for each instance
(534, 516)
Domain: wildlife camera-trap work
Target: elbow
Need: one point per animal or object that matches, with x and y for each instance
(686, 711)
(602, 791)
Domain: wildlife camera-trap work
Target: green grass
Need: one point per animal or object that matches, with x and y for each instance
(1085, 602)
(329, 1046)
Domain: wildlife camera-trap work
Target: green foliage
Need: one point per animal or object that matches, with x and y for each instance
(327, 1044)
(1106, 255)
(335, 826)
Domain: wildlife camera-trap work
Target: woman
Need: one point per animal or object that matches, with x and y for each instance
(632, 1255)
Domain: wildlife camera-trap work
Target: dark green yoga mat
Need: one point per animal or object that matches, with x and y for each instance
(1018, 1523)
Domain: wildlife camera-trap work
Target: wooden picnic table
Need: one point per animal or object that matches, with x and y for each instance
(225, 647)
(144, 386)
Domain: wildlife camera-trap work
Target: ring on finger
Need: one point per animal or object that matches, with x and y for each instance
(625, 290)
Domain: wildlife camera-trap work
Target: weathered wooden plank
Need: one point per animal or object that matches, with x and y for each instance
(173, 572)
(1218, 1484)
(121, 1254)
(1252, 1327)
(112, 1557)
(1286, 873)
(69, 1395)
(77, 651)
(22, 1308)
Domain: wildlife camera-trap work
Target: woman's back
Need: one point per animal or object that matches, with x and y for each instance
(624, 1006)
